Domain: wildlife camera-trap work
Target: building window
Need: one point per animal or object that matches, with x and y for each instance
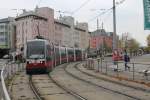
(26, 23)
(59, 27)
(1, 26)
(26, 31)
(6, 27)
(56, 27)
(1, 33)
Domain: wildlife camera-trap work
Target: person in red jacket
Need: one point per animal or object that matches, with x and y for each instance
(115, 56)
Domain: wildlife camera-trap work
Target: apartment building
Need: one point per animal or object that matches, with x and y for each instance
(70, 34)
(100, 39)
(7, 35)
(83, 35)
(62, 31)
(34, 23)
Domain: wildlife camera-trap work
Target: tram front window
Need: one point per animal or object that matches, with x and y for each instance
(35, 50)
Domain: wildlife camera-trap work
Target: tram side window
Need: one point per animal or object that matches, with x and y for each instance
(57, 53)
(63, 52)
(70, 53)
(48, 53)
(78, 52)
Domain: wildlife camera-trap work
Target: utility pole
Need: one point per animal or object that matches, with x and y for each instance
(114, 26)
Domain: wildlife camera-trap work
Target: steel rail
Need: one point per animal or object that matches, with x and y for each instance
(104, 79)
(76, 95)
(35, 91)
(91, 83)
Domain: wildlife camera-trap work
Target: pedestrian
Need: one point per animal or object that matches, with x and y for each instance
(126, 60)
(115, 59)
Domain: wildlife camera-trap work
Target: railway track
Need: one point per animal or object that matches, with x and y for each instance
(80, 86)
(84, 88)
(39, 96)
(33, 88)
(100, 78)
(101, 86)
(76, 95)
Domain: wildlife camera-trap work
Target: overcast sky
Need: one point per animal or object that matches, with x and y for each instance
(129, 14)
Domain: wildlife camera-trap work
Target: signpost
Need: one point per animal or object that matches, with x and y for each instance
(146, 5)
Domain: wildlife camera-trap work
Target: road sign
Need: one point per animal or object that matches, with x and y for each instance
(146, 14)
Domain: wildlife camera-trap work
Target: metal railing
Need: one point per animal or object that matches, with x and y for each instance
(136, 71)
(7, 72)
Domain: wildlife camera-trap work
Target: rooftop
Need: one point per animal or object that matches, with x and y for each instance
(30, 13)
(6, 20)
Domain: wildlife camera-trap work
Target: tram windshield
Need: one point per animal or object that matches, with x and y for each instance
(35, 50)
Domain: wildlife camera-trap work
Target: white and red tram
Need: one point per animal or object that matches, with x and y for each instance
(39, 56)
(42, 56)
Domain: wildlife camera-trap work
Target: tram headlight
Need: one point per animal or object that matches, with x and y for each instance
(27, 62)
(43, 62)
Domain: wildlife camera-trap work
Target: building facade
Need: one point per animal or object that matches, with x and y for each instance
(84, 35)
(100, 39)
(7, 35)
(62, 31)
(71, 35)
(34, 23)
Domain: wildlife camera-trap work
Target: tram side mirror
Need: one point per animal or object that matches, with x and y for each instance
(6, 57)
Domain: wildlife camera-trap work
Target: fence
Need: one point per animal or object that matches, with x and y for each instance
(7, 72)
(136, 71)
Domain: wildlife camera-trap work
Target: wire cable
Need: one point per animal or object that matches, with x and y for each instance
(82, 5)
(104, 12)
(106, 17)
(39, 2)
(110, 9)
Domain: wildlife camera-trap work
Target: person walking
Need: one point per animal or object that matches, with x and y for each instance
(126, 60)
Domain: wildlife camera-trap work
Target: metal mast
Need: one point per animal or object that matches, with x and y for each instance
(114, 26)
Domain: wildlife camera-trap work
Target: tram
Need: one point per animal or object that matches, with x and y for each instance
(42, 56)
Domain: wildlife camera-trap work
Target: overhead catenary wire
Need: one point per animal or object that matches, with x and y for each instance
(39, 1)
(82, 5)
(104, 12)
(106, 17)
